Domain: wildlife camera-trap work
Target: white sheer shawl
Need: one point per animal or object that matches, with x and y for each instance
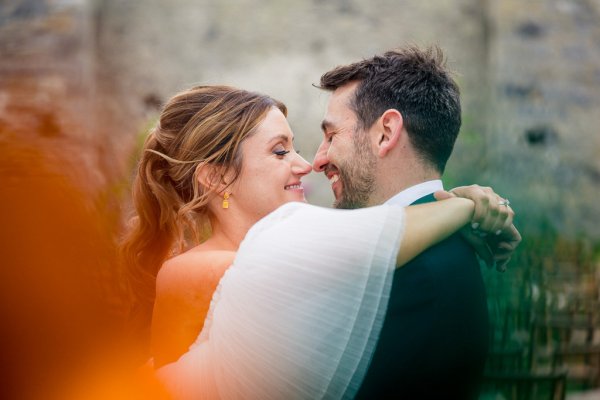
(298, 314)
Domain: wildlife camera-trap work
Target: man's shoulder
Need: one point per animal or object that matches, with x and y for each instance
(454, 249)
(449, 252)
(425, 199)
(452, 252)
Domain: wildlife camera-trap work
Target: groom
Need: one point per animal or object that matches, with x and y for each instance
(390, 126)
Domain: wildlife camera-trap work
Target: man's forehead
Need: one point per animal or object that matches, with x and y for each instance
(345, 92)
(331, 112)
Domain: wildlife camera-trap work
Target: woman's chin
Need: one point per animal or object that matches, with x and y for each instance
(300, 198)
(296, 195)
(295, 199)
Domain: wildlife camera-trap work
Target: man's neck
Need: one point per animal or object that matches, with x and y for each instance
(399, 171)
(389, 189)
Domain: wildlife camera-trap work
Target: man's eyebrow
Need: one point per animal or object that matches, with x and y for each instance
(326, 124)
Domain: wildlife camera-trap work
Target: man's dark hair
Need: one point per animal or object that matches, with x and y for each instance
(417, 84)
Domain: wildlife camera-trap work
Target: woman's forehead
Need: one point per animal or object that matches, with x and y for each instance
(274, 127)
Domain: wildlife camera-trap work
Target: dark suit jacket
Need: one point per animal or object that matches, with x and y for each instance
(433, 342)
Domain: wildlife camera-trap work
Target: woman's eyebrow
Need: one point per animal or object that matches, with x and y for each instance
(282, 137)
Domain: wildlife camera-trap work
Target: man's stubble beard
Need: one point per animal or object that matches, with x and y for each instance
(357, 174)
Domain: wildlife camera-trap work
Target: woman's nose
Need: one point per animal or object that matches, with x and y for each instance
(301, 166)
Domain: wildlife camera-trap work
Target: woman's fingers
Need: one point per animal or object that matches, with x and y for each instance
(507, 216)
(488, 216)
(499, 217)
(443, 195)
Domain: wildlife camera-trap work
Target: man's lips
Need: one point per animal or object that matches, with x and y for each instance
(333, 175)
(334, 181)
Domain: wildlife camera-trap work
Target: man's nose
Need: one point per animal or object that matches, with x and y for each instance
(321, 160)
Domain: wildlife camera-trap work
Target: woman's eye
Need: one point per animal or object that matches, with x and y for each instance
(281, 152)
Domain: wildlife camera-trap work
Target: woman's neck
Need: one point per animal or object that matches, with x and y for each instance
(228, 230)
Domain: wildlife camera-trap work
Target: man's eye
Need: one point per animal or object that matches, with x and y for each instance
(281, 152)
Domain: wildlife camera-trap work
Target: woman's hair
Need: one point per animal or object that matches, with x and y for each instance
(205, 124)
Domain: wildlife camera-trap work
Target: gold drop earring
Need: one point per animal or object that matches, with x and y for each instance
(226, 200)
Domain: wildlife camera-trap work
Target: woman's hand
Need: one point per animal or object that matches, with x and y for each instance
(491, 231)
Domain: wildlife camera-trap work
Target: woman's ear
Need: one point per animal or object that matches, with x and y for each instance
(210, 177)
(390, 128)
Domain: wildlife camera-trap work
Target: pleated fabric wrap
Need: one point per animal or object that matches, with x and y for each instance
(298, 314)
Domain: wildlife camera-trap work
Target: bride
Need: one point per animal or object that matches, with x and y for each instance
(250, 292)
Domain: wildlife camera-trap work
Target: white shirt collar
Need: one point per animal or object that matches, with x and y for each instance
(413, 193)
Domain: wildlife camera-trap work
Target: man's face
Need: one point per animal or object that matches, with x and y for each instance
(345, 154)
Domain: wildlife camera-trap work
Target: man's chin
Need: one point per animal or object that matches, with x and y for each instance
(345, 204)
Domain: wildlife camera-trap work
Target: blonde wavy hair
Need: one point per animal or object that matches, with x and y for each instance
(205, 124)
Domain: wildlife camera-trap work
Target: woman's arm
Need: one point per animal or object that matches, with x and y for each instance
(428, 224)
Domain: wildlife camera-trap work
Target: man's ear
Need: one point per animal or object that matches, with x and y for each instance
(390, 129)
(210, 177)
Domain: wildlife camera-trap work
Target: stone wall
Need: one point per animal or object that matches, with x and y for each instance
(544, 138)
(81, 81)
(97, 71)
(87, 77)
(528, 71)
(149, 50)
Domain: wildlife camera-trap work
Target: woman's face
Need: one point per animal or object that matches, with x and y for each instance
(271, 169)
